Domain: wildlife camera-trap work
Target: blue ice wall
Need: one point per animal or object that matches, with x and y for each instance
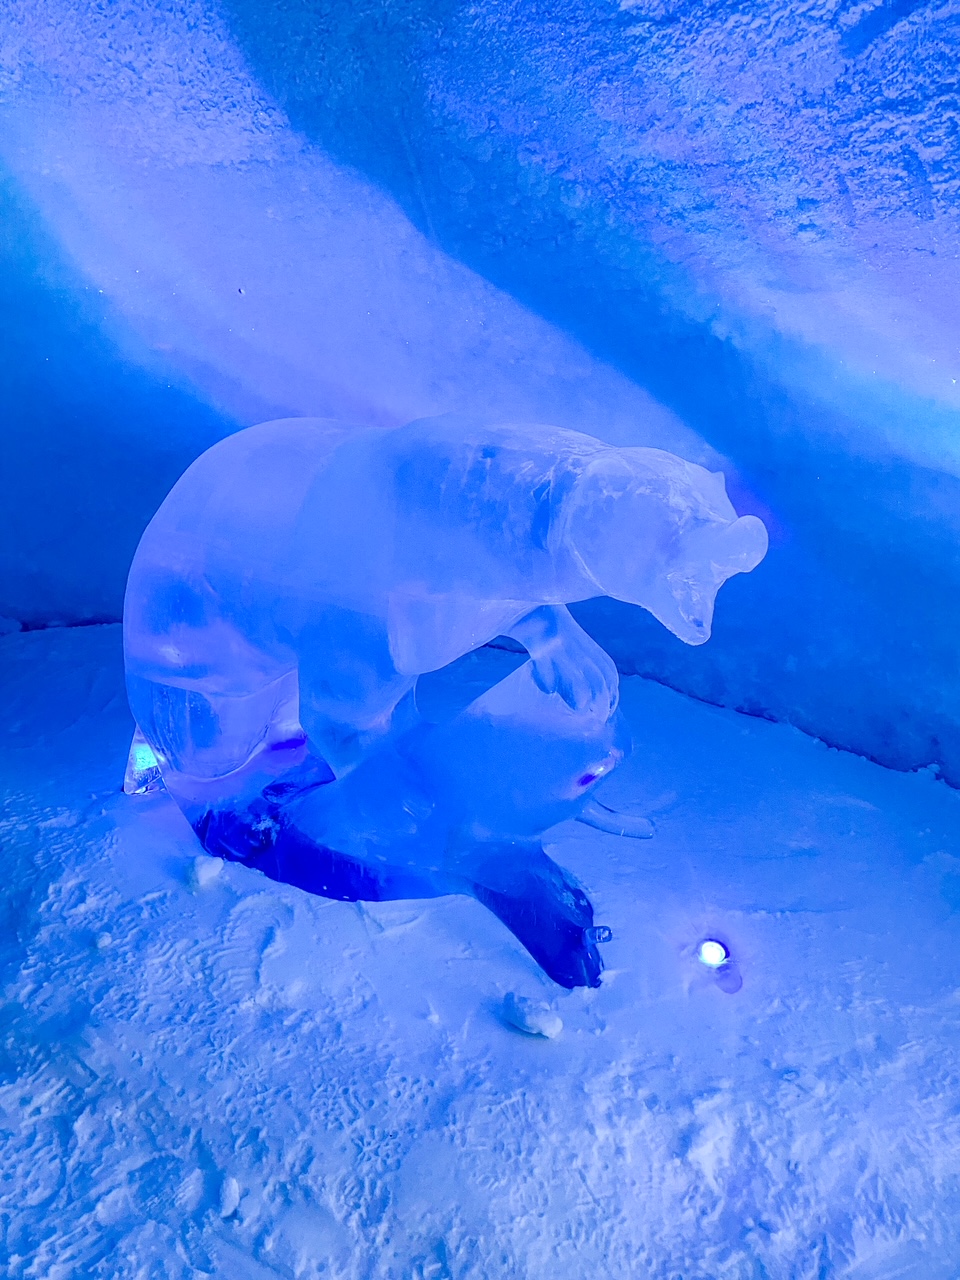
(92, 438)
(728, 231)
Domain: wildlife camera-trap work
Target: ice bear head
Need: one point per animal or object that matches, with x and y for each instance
(653, 530)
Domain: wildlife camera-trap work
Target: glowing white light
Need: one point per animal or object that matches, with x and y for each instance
(713, 953)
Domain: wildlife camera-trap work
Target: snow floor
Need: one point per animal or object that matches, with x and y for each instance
(238, 1080)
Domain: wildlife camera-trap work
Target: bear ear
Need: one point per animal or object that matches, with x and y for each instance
(735, 547)
(743, 544)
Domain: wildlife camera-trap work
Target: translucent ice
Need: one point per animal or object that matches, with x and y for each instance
(143, 769)
(297, 624)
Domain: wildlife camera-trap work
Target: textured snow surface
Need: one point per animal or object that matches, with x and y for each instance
(222, 1076)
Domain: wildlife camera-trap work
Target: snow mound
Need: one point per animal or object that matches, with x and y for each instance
(533, 1018)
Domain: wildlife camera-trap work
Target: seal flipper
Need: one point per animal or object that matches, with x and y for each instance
(543, 908)
(602, 818)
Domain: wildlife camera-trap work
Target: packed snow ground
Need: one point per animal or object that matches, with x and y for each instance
(237, 1080)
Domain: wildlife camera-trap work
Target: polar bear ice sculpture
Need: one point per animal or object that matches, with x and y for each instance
(302, 575)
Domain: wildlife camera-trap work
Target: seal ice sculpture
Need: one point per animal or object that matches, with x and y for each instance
(303, 628)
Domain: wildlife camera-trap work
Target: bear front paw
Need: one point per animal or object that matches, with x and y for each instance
(589, 685)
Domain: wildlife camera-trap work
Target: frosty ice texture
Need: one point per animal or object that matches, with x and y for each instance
(303, 632)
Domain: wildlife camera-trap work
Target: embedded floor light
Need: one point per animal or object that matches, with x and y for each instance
(715, 957)
(712, 953)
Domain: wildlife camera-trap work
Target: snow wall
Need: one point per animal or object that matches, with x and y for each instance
(730, 230)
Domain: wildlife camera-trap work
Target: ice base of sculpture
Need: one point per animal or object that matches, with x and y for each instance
(456, 805)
